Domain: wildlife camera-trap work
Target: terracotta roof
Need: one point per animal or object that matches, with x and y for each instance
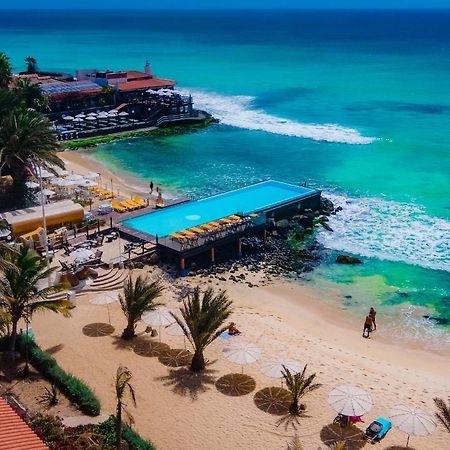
(136, 75)
(15, 434)
(146, 84)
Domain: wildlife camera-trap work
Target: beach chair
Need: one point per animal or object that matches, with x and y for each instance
(139, 201)
(182, 240)
(117, 207)
(129, 205)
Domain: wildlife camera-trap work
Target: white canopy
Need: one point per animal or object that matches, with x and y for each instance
(87, 183)
(273, 368)
(350, 400)
(159, 317)
(412, 421)
(32, 184)
(242, 353)
(91, 175)
(80, 116)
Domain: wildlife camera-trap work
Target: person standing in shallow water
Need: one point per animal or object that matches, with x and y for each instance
(151, 187)
(372, 315)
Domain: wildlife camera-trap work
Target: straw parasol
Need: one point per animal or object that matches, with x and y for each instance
(412, 421)
(350, 400)
(159, 317)
(104, 299)
(242, 353)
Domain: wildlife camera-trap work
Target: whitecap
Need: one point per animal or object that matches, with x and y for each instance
(237, 111)
(388, 230)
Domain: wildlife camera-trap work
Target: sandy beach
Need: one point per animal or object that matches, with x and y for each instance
(177, 410)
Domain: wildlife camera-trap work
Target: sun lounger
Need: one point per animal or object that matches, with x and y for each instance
(128, 205)
(139, 200)
(117, 207)
(209, 227)
(197, 230)
(188, 233)
(235, 217)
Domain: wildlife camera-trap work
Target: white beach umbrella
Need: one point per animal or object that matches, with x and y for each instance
(412, 421)
(81, 254)
(61, 172)
(57, 181)
(104, 298)
(175, 330)
(242, 353)
(92, 114)
(91, 118)
(78, 119)
(123, 114)
(273, 368)
(46, 174)
(68, 118)
(48, 192)
(80, 116)
(91, 175)
(113, 112)
(87, 183)
(159, 317)
(350, 400)
(67, 183)
(74, 177)
(4, 233)
(32, 184)
(102, 114)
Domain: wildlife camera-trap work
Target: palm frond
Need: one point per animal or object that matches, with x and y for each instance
(443, 412)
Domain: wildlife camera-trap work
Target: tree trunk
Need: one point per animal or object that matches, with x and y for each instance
(12, 342)
(293, 408)
(119, 426)
(198, 361)
(128, 332)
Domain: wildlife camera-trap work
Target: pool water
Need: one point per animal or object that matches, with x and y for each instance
(254, 198)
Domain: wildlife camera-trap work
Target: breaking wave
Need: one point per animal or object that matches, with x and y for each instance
(389, 230)
(237, 111)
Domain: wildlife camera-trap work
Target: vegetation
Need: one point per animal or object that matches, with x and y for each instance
(123, 379)
(50, 397)
(202, 321)
(31, 64)
(21, 272)
(295, 444)
(92, 437)
(158, 132)
(139, 297)
(443, 412)
(30, 94)
(298, 386)
(5, 71)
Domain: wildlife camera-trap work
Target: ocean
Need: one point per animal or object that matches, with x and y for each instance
(354, 103)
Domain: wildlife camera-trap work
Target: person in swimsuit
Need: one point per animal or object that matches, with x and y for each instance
(372, 314)
(233, 330)
(368, 327)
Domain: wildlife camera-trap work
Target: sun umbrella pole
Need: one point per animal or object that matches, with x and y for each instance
(109, 315)
(44, 220)
(407, 441)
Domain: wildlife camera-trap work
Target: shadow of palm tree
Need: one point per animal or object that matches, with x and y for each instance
(55, 349)
(352, 436)
(273, 400)
(236, 384)
(291, 420)
(124, 344)
(399, 447)
(175, 357)
(184, 382)
(98, 329)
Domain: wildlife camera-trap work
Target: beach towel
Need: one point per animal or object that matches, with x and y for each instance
(227, 336)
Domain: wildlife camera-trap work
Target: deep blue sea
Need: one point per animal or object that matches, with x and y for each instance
(354, 103)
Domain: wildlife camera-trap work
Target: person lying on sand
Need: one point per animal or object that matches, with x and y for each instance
(233, 330)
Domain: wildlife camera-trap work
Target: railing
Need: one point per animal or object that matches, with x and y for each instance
(172, 118)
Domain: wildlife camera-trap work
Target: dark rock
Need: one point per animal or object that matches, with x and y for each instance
(347, 259)
(153, 259)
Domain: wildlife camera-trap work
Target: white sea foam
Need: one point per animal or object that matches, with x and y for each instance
(389, 230)
(237, 111)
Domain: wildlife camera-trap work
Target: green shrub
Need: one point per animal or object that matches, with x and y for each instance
(108, 429)
(73, 388)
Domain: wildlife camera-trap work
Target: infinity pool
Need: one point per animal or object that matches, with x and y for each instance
(254, 198)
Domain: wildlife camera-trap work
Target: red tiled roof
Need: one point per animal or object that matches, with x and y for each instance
(15, 434)
(136, 75)
(146, 84)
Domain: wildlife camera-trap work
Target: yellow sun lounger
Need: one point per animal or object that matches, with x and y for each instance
(235, 217)
(209, 227)
(188, 233)
(177, 236)
(215, 224)
(117, 207)
(128, 205)
(139, 201)
(197, 230)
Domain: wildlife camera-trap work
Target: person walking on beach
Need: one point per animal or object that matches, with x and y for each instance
(372, 315)
(368, 327)
(151, 187)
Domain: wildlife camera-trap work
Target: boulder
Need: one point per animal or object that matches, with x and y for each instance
(347, 259)
(153, 259)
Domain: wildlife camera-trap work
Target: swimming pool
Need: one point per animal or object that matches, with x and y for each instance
(254, 198)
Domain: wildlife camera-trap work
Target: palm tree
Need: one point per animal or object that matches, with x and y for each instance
(22, 272)
(139, 297)
(9, 102)
(298, 386)
(123, 379)
(203, 321)
(30, 93)
(31, 63)
(26, 136)
(5, 71)
(443, 412)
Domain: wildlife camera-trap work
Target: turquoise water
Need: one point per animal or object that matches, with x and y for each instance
(354, 103)
(258, 197)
